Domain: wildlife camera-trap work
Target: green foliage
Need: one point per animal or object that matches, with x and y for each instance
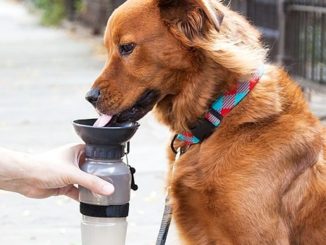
(79, 5)
(54, 10)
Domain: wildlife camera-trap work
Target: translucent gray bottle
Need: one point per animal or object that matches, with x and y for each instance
(104, 217)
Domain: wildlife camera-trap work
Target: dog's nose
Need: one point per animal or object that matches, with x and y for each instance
(92, 96)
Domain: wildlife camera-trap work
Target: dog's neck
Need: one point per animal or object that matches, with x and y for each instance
(200, 89)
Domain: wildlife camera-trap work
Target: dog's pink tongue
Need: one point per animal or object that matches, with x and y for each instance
(102, 120)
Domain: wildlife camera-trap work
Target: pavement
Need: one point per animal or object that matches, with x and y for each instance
(44, 75)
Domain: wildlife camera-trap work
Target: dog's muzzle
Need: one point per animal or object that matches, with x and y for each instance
(142, 106)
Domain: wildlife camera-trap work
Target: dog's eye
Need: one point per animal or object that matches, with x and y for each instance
(126, 49)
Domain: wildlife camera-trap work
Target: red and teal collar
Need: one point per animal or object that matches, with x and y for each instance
(219, 109)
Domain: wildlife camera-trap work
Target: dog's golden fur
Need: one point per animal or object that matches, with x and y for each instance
(261, 177)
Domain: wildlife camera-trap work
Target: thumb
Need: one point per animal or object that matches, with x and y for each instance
(92, 182)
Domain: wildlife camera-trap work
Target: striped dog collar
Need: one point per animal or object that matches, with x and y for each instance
(219, 109)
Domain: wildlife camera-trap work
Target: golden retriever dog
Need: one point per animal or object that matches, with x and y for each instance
(260, 177)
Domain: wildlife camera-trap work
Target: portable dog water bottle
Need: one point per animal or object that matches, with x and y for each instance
(104, 217)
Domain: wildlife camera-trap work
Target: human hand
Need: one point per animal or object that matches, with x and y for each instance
(51, 173)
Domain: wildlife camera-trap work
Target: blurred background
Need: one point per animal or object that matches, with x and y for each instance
(51, 52)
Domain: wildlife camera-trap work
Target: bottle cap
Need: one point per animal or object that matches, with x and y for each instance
(106, 152)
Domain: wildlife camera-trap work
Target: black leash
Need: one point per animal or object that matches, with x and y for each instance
(165, 223)
(167, 214)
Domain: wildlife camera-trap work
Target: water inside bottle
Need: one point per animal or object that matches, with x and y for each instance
(103, 231)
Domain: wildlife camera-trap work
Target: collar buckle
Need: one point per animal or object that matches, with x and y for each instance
(203, 129)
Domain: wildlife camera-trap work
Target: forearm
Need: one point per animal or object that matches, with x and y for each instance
(14, 169)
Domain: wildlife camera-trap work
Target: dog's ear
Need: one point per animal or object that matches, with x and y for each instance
(194, 18)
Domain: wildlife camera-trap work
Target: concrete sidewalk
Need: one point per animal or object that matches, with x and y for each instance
(44, 76)
(318, 104)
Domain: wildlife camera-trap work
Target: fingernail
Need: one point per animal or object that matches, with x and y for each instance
(108, 189)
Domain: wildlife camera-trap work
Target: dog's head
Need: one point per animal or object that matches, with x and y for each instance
(152, 45)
